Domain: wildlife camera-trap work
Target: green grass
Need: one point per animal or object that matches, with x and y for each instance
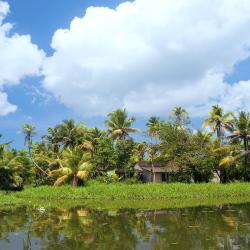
(119, 195)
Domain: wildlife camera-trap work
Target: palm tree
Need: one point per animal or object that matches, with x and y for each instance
(29, 131)
(93, 137)
(240, 133)
(74, 168)
(219, 121)
(2, 147)
(70, 134)
(120, 124)
(153, 126)
(11, 168)
(53, 139)
(153, 129)
(180, 116)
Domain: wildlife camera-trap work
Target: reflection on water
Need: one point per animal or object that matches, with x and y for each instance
(221, 227)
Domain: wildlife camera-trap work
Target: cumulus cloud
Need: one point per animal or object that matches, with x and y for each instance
(149, 56)
(4, 10)
(5, 106)
(19, 58)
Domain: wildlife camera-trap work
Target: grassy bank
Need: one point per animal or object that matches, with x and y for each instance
(96, 195)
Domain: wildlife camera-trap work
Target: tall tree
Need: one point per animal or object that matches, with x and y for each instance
(153, 126)
(180, 116)
(104, 157)
(153, 129)
(120, 124)
(240, 133)
(70, 134)
(219, 121)
(74, 169)
(11, 170)
(93, 137)
(53, 139)
(29, 131)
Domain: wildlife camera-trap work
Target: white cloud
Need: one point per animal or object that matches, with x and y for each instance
(149, 56)
(4, 10)
(5, 106)
(19, 58)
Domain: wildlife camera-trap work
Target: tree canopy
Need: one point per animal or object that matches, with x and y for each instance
(72, 153)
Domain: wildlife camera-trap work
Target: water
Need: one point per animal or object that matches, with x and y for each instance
(220, 227)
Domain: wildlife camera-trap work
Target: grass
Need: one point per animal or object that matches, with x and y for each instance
(119, 195)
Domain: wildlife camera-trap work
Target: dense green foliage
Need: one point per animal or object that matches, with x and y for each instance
(72, 153)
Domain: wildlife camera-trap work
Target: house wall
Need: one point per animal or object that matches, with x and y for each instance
(169, 177)
(147, 176)
(158, 177)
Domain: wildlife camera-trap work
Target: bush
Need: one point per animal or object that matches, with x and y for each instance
(132, 180)
(109, 177)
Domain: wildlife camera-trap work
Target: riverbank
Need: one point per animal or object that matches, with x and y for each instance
(119, 195)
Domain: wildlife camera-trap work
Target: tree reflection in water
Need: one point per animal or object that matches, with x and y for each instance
(222, 227)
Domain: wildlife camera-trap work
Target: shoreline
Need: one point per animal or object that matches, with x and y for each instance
(119, 195)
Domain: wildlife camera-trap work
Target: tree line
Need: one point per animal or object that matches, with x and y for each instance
(72, 153)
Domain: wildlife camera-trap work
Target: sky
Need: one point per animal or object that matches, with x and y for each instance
(82, 59)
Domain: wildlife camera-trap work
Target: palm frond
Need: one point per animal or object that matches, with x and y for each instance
(82, 175)
(222, 149)
(227, 161)
(86, 166)
(61, 180)
(61, 171)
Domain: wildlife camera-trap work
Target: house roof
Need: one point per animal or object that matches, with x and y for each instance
(159, 167)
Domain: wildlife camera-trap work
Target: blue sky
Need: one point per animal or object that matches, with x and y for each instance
(40, 19)
(42, 101)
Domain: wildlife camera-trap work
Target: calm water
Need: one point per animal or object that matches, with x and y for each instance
(220, 227)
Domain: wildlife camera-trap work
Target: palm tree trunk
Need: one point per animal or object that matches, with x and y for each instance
(218, 133)
(245, 159)
(153, 168)
(75, 181)
(218, 172)
(33, 161)
(221, 170)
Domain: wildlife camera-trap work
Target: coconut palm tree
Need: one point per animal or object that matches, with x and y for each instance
(93, 137)
(180, 116)
(3, 147)
(11, 168)
(153, 126)
(74, 167)
(219, 121)
(69, 134)
(153, 129)
(53, 139)
(120, 124)
(240, 134)
(29, 131)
